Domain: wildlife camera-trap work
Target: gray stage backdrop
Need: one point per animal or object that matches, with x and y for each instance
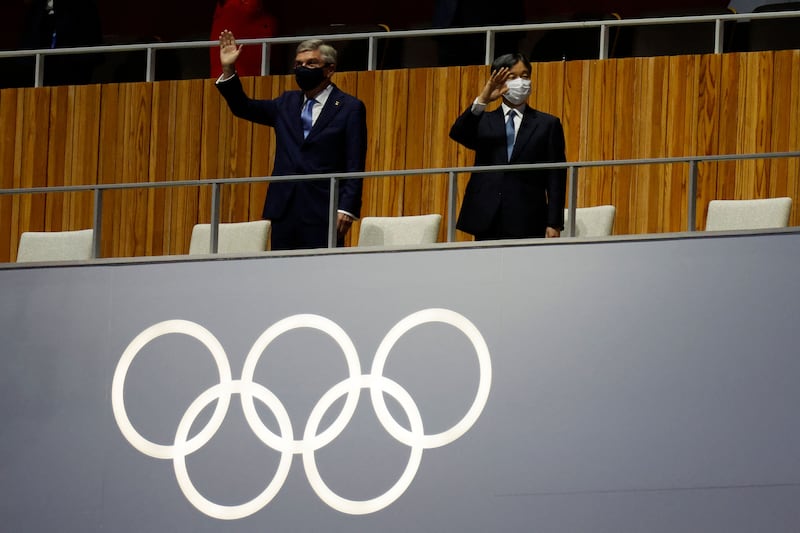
(633, 386)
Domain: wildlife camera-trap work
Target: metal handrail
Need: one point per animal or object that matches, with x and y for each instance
(572, 168)
(372, 37)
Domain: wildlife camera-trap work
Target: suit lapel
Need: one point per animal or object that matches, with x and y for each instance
(526, 129)
(332, 106)
(497, 123)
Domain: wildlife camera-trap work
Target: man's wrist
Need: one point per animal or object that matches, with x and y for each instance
(478, 107)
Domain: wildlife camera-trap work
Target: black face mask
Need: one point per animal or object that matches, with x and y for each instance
(308, 78)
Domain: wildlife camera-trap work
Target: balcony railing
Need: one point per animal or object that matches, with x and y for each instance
(487, 33)
(573, 169)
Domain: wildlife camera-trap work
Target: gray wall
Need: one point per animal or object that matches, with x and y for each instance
(635, 386)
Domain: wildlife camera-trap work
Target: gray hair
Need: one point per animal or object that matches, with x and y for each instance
(327, 51)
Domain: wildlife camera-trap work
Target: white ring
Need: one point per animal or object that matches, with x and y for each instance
(147, 447)
(354, 507)
(353, 366)
(484, 382)
(230, 512)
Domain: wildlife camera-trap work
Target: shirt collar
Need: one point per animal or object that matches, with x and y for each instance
(322, 97)
(507, 108)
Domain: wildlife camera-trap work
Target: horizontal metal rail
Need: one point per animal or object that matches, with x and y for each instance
(373, 37)
(572, 168)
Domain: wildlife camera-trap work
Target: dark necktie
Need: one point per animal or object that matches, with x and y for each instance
(305, 117)
(510, 133)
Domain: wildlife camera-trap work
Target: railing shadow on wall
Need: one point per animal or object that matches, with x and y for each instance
(572, 169)
(376, 38)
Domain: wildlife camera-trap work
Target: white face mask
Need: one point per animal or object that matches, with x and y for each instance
(519, 90)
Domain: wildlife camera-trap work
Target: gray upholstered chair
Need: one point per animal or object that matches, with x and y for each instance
(55, 246)
(395, 231)
(233, 237)
(748, 214)
(595, 221)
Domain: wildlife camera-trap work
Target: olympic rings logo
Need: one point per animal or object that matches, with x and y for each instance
(285, 443)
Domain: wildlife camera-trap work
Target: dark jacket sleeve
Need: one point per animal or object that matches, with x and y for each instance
(465, 129)
(259, 111)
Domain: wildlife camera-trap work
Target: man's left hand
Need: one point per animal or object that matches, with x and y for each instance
(551, 233)
(343, 223)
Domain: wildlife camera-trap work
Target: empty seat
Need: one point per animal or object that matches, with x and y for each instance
(748, 214)
(391, 231)
(55, 246)
(595, 221)
(233, 237)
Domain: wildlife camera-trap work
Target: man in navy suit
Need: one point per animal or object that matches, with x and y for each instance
(318, 130)
(511, 205)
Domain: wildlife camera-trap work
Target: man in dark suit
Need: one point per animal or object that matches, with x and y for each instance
(511, 205)
(318, 129)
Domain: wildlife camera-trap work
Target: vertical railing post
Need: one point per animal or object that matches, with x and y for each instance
(573, 200)
(333, 214)
(719, 36)
(214, 233)
(265, 51)
(691, 215)
(452, 186)
(372, 53)
(97, 223)
(489, 48)
(38, 72)
(604, 41)
(150, 73)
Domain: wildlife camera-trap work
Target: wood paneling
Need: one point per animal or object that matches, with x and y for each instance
(182, 130)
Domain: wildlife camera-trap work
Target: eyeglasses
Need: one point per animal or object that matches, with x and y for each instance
(311, 63)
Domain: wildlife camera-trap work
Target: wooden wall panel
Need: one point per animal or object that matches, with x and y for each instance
(161, 206)
(649, 121)
(182, 130)
(59, 138)
(707, 120)
(175, 156)
(83, 148)
(756, 124)
(595, 184)
(732, 102)
(9, 233)
(439, 150)
(681, 137)
(30, 166)
(385, 95)
(785, 173)
(624, 133)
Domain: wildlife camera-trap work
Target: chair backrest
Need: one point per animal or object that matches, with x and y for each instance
(55, 246)
(233, 237)
(390, 231)
(748, 214)
(595, 221)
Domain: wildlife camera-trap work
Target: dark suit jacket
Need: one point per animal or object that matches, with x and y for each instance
(336, 143)
(528, 201)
